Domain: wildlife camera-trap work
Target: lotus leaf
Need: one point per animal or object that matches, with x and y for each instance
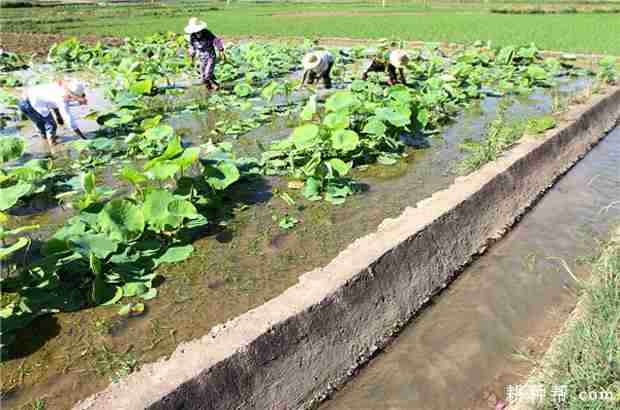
(175, 254)
(398, 118)
(305, 136)
(375, 127)
(142, 87)
(97, 244)
(345, 140)
(11, 148)
(9, 196)
(121, 220)
(336, 120)
(309, 109)
(312, 189)
(221, 175)
(339, 166)
(341, 100)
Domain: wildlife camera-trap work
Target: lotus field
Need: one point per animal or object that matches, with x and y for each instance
(133, 198)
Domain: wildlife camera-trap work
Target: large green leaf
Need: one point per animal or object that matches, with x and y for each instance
(156, 205)
(221, 175)
(103, 293)
(309, 109)
(142, 87)
(189, 156)
(339, 166)
(121, 220)
(375, 127)
(11, 148)
(173, 149)
(336, 120)
(132, 175)
(341, 100)
(9, 196)
(536, 72)
(305, 136)
(313, 163)
(152, 122)
(135, 289)
(270, 90)
(163, 170)
(243, 89)
(175, 254)
(97, 244)
(159, 133)
(88, 183)
(505, 55)
(312, 189)
(345, 140)
(183, 208)
(398, 118)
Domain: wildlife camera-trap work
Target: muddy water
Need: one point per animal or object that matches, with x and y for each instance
(237, 265)
(458, 353)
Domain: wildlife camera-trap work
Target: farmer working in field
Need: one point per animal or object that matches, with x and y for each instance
(390, 62)
(318, 64)
(203, 43)
(39, 102)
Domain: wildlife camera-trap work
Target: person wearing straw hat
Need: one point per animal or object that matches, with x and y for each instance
(318, 64)
(202, 43)
(40, 102)
(391, 62)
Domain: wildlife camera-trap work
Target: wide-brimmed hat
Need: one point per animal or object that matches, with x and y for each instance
(311, 61)
(194, 25)
(75, 87)
(399, 58)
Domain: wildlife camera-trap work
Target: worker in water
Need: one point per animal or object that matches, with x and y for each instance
(317, 64)
(40, 102)
(392, 62)
(203, 43)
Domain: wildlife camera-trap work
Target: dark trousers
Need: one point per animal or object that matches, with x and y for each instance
(207, 67)
(46, 125)
(326, 76)
(377, 66)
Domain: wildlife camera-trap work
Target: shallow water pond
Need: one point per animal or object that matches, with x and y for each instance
(237, 265)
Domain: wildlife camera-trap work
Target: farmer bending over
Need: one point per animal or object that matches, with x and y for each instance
(40, 101)
(391, 62)
(318, 64)
(203, 43)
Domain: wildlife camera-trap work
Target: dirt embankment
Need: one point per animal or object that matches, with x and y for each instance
(39, 43)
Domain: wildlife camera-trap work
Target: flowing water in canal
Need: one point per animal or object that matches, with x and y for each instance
(459, 353)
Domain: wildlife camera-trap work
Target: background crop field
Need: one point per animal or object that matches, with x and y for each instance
(590, 27)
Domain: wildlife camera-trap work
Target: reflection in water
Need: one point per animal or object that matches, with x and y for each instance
(463, 343)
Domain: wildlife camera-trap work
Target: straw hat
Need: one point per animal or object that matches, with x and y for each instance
(194, 26)
(399, 58)
(75, 87)
(310, 61)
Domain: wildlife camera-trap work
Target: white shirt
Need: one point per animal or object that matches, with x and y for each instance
(44, 97)
(325, 59)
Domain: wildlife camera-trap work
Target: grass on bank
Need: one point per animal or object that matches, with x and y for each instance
(588, 362)
(581, 32)
(500, 135)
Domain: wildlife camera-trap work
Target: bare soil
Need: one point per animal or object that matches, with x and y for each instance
(39, 43)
